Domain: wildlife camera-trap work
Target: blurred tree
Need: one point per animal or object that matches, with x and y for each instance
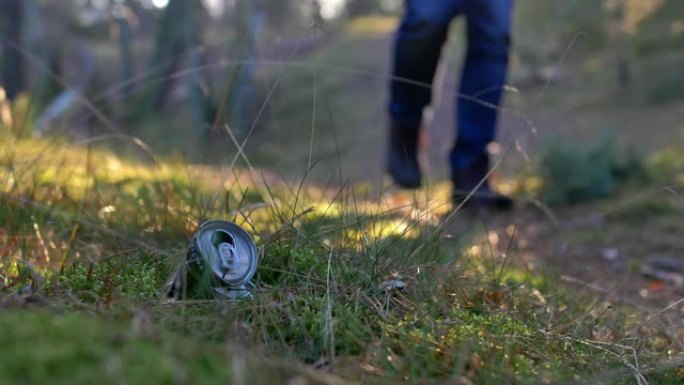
(361, 7)
(11, 22)
(618, 31)
(242, 94)
(179, 31)
(280, 16)
(123, 14)
(315, 10)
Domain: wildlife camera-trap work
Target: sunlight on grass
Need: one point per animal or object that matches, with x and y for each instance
(15, 117)
(636, 11)
(370, 26)
(104, 238)
(81, 349)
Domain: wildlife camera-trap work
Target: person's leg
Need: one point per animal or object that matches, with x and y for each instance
(483, 79)
(417, 49)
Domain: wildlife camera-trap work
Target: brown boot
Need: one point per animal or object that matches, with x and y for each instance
(402, 155)
(467, 180)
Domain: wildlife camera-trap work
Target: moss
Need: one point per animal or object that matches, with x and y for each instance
(317, 300)
(43, 347)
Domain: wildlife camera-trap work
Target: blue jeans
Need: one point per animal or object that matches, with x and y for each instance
(418, 45)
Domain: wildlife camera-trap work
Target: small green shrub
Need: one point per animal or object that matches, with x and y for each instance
(575, 172)
(666, 166)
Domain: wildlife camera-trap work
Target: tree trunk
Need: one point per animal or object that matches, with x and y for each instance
(316, 11)
(622, 44)
(242, 97)
(180, 29)
(360, 7)
(11, 19)
(125, 37)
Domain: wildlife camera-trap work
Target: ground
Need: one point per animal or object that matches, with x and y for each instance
(574, 103)
(600, 247)
(542, 294)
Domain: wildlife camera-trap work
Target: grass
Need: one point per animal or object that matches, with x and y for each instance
(67, 347)
(90, 240)
(77, 348)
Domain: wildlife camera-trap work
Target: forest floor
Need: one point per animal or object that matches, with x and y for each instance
(541, 294)
(605, 246)
(601, 245)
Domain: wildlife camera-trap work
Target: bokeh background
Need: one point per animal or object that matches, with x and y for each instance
(304, 82)
(124, 124)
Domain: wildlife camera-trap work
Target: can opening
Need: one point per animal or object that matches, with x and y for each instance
(228, 258)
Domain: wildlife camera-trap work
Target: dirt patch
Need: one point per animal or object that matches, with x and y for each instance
(593, 251)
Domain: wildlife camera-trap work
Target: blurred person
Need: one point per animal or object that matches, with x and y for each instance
(418, 45)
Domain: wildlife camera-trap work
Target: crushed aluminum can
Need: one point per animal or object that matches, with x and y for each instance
(391, 285)
(220, 263)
